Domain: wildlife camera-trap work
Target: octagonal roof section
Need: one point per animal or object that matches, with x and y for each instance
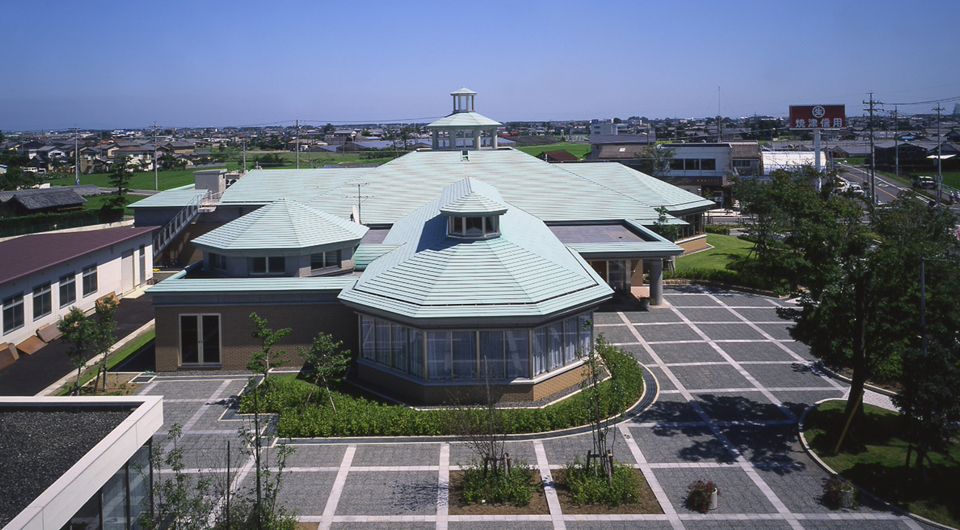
(283, 225)
(469, 197)
(526, 272)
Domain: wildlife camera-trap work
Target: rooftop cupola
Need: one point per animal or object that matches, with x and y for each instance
(473, 210)
(463, 100)
(464, 129)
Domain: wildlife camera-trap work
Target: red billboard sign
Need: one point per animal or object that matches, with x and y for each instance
(818, 116)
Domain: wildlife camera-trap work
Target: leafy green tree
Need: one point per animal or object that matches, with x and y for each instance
(16, 178)
(264, 359)
(104, 325)
(78, 332)
(655, 160)
(120, 179)
(178, 502)
(327, 361)
(662, 226)
(855, 310)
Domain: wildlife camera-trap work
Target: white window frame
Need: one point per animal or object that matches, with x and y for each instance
(68, 283)
(42, 300)
(90, 272)
(14, 304)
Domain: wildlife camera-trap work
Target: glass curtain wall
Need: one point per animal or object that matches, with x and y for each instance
(475, 354)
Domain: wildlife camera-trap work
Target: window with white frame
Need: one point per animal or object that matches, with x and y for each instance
(13, 313)
(42, 301)
(89, 280)
(475, 354)
(463, 226)
(68, 289)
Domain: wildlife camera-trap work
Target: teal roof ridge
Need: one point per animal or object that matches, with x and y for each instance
(471, 196)
(282, 224)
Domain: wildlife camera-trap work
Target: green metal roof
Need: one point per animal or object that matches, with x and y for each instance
(249, 285)
(551, 192)
(284, 224)
(525, 271)
(463, 91)
(171, 198)
(366, 253)
(464, 119)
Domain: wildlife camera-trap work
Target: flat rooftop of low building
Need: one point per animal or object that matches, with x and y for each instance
(35, 452)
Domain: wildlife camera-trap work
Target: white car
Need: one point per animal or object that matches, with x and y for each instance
(856, 189)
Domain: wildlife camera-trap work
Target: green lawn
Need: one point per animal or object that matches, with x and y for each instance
(142, 180)
(873, 457)
(575, 148)
(726, 249)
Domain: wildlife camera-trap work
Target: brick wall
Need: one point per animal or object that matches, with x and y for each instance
(306, 320)
(693, 243)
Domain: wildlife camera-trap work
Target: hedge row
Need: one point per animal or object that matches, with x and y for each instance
(357, 416)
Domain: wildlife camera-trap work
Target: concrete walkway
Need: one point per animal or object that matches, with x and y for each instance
(731, 387)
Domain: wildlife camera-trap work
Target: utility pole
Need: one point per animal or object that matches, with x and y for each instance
(298, 144)
(244, 155)
(76, 155)
(896, 141)
(873, 173)
(156, 174)
(939, 109)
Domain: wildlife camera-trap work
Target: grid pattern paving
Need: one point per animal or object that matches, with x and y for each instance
(731, 385)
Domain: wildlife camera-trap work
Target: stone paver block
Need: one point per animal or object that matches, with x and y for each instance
(561, 451)
(389, 493)
(786, 375)
(315, 455)
(777, 331)
(686, 353)
(744, 300)
(709, 314)
(394, 454)
(739, 406)
(711, 376)
(618, 525)
(667, 332)
(664, 381)
(500, 525)
(853, 524)
(691, 300)
(730, 331)
(760, 445)
(760, 314)
(738, 494)
(406, 525)
(754, 351)
(640, 353)
(654, 315)
(616, 334)
(693, 443)
(799, 348)
(745, 524)
(669, 408)
(306, 493)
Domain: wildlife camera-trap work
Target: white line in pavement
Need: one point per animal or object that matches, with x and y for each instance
(331, 507)
(443, 487)
(652, 480)
(549, 490)
(196, 415)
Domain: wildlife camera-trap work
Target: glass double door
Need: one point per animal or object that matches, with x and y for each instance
(199, 339)
(614, 272)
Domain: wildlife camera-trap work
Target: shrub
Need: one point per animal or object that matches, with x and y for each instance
(588, 485)
(514, 488)
(359, 416)
(698, 494)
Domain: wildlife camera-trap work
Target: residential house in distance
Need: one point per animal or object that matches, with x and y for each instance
(440, 268)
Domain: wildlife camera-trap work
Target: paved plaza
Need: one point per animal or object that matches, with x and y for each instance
(731, 387)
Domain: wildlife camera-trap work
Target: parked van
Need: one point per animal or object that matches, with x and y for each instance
(925, 182)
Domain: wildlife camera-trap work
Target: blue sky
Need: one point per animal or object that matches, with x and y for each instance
(209, 63)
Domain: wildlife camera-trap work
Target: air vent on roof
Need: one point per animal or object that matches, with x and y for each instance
(465, 155)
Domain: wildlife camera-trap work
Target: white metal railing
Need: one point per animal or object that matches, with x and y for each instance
(177, 224)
